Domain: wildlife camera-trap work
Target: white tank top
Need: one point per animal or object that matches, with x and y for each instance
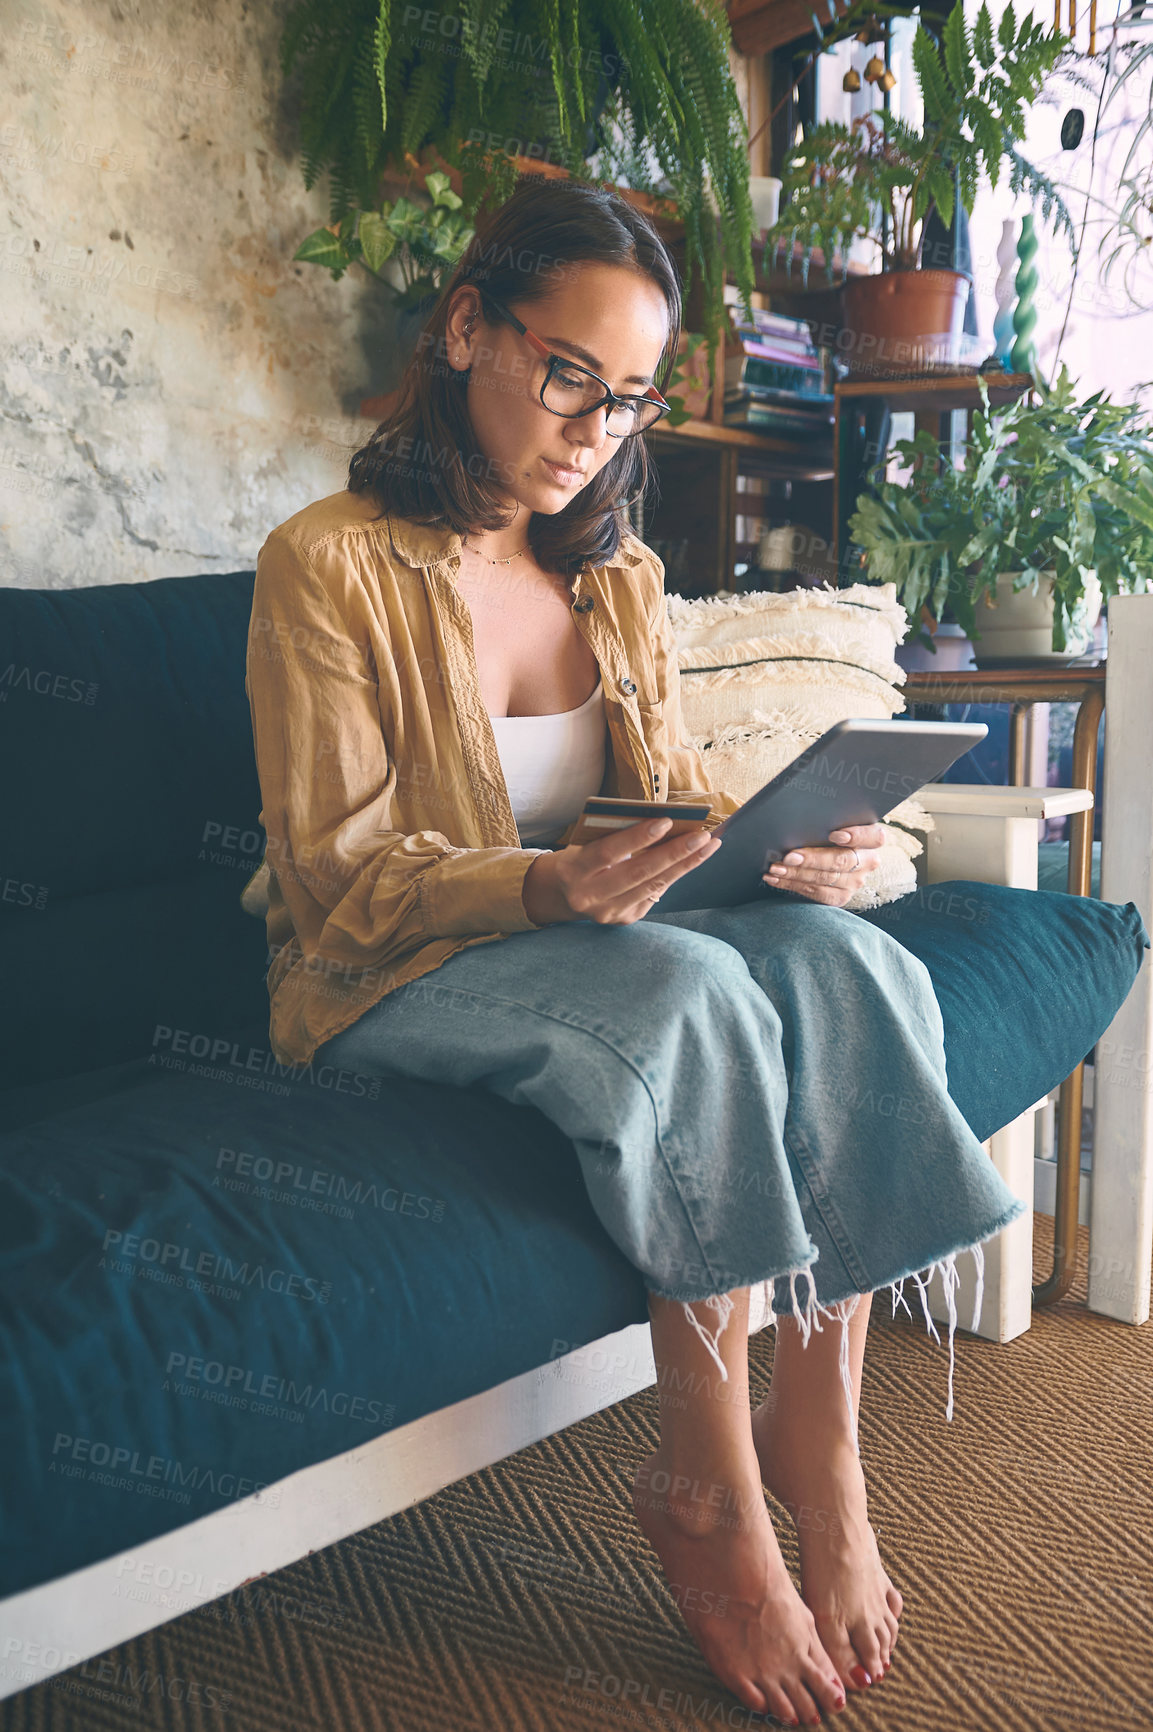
(551, 765)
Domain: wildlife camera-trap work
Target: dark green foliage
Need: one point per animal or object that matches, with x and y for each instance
(425, 241)
(976, 92)
(1053, 490)
(541, 78)
(1024, 177)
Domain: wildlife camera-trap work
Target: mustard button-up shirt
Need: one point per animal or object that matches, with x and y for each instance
(391, 838)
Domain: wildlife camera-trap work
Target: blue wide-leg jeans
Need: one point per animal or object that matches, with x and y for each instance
(753, 1093)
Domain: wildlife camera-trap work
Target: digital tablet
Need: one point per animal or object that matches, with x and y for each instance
(854, 774)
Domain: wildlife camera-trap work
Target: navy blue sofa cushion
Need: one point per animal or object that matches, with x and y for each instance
(105, 977)
(213, 1282)
(131, 820)
(1027, 982)
(1053, 867)
(125, 740)
(206, 1285)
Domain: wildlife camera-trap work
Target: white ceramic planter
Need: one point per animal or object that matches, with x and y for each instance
(1018, 628)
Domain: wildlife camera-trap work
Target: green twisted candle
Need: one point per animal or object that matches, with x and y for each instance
(1023, 357)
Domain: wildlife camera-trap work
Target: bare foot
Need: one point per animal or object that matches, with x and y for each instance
(821, 1483)
(722, 1561)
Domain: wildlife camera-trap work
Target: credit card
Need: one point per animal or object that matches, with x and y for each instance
(603, 814)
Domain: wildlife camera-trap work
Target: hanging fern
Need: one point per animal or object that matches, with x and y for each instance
(559, 79)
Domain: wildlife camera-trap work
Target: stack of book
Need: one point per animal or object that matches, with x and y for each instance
(775, 379)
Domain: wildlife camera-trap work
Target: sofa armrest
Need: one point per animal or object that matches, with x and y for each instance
(991, 834)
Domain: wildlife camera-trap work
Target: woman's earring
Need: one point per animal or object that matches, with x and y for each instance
(469, 326)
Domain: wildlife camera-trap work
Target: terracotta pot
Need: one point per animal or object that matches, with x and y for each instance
(662, 211)
(903, 321)
(1017, 628)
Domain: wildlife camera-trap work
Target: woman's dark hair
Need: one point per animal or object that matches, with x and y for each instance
(422, 462)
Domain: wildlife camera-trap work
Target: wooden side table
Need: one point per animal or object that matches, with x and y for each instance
(1021, 687)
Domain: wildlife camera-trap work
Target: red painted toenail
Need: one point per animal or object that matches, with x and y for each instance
(860, 1676)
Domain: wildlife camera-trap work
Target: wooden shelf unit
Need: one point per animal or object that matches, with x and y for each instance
(936, 392)
(699, 462)
(698, 499)
(801, 463)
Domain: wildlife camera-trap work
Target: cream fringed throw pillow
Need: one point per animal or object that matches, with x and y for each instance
(763, 675)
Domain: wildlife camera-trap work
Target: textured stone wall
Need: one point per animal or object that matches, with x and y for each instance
(172, 385)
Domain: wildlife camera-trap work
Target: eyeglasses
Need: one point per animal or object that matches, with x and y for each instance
(571, 391)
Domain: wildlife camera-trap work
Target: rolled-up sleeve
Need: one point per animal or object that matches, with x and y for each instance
(357, 889)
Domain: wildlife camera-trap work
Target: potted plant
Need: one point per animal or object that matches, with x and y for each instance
(421, 240)
(880, 176)
(424, 241)
(1049, 513)
(561, 85)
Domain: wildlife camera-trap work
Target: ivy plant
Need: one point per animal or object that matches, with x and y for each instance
(682, 375)
(425, 242)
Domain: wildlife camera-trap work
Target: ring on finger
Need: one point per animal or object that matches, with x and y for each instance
(856, 861)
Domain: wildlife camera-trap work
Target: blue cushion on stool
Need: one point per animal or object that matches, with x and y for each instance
(1046, 970)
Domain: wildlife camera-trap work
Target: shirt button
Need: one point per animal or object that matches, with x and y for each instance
(628, 686)
(585, 604)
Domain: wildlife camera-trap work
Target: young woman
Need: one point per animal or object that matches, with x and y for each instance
(445, 660)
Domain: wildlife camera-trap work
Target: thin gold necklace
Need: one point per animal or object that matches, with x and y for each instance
(489, 561)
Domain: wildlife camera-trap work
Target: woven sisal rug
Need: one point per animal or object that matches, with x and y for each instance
(524, 1600)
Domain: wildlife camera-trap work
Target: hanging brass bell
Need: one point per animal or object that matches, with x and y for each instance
(874, 69)
(851, 81)
(888, 80)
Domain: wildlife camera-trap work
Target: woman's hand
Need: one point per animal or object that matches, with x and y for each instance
(831, 875)
(614, 880)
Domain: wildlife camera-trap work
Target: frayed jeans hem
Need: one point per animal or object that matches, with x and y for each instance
(807, 1314)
